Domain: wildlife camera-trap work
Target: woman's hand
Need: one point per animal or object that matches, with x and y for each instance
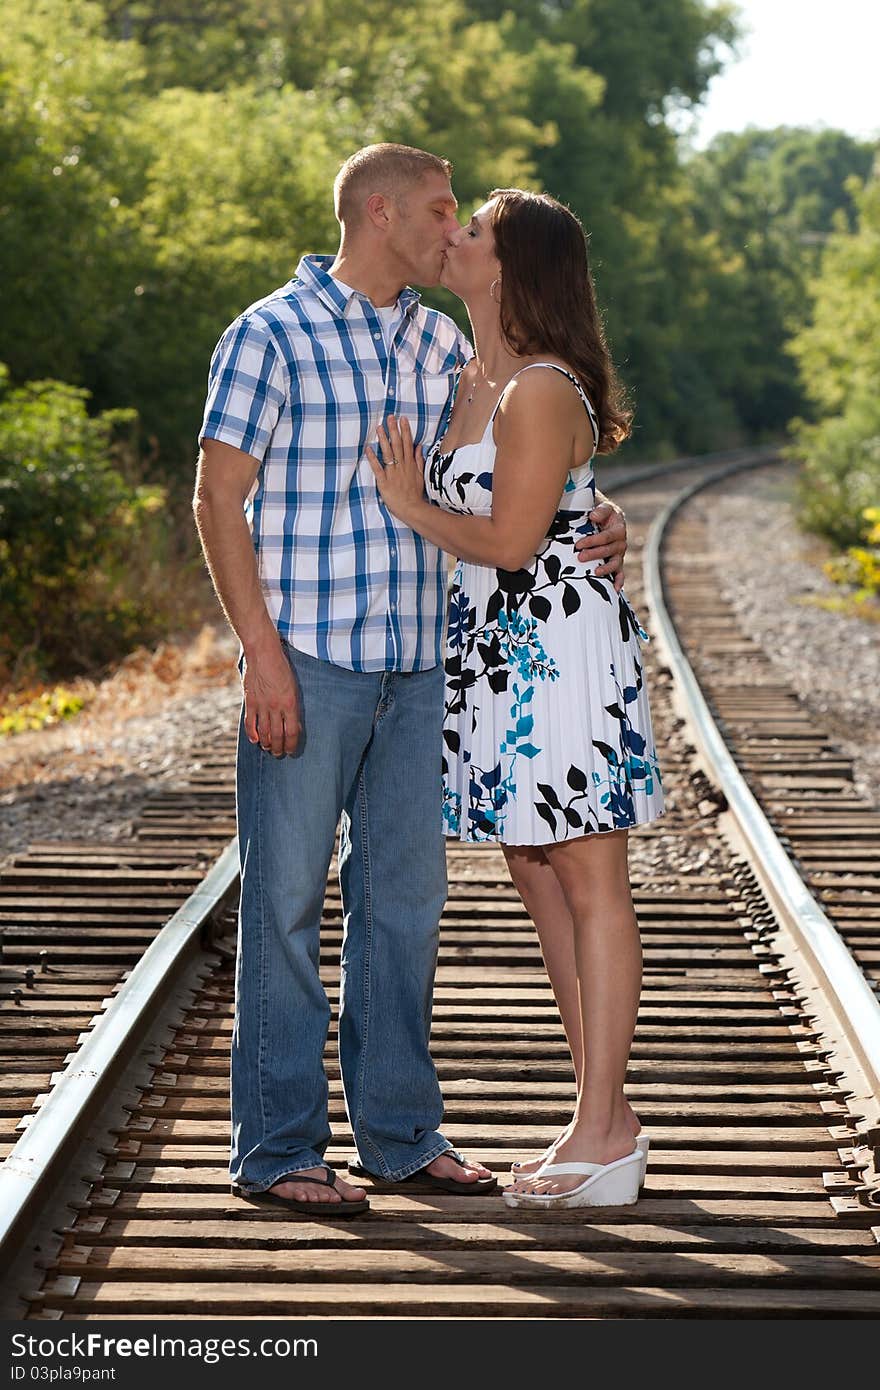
(400, 478)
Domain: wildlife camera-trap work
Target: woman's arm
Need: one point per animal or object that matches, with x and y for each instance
(535, 431)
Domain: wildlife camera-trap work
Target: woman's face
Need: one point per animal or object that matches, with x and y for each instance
(471, 264)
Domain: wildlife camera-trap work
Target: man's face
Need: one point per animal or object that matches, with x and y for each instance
(423, 229)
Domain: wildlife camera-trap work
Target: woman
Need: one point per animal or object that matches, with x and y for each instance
(549, 750)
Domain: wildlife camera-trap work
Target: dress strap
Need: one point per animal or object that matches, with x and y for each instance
(594, 423)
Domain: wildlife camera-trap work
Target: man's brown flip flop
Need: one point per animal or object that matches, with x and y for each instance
(327, 1210)
(428, 1182)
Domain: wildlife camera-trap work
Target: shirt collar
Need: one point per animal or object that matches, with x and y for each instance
(313, 271)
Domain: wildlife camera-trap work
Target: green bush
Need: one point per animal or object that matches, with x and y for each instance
(840, 479)
(81, 543)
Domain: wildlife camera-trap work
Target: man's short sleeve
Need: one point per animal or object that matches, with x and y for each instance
(246, 389)
(465, 348)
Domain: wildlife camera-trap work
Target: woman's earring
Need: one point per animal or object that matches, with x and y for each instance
(496, 281)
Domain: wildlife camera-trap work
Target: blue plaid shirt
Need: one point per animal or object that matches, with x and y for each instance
(300, 381)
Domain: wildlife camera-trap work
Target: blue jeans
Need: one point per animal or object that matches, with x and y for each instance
(370, 753)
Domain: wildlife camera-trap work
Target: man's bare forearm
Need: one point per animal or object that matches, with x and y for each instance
(271, 703)
(232, 564)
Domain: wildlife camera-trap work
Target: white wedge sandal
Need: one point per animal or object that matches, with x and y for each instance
(606, 1185)
(643, 1144)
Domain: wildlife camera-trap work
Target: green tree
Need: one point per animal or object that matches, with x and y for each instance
(606, 76)
(179, 206)
(167, 163)
(204, 44)
(838, 353)
(70, 247)
(770, 198)
(225, 212)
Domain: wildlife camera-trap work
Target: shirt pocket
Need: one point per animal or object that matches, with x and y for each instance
(424, 397)
(339, 406)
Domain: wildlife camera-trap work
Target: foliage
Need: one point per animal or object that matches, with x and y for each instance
(839, 351)
(166, 162)
(70, 246)
(28, 712)
(839, 357)
(768, 200)
(155, 213)
(840, 477)
(860, 566)
(78, 540)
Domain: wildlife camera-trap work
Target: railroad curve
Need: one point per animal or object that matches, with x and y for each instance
(764, 1128)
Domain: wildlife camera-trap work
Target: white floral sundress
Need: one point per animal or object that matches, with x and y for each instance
(547, 730)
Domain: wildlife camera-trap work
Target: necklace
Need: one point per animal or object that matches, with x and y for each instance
(479, 379)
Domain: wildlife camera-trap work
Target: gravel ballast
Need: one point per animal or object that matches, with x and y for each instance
(89, 778)
(771, 572)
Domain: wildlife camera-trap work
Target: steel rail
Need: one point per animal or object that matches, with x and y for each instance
(52, 1132)
(86, 1082)
(36, 1160)
(632, 475)
(852, 1000)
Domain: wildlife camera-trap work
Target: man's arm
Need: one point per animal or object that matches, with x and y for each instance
(271, 699)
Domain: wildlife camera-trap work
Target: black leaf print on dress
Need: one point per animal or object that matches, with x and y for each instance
(623, 612)
(461, 483)
(516, 581)
(552, 566)
(546, 814)
(497, 680)
(494, 606)
(577, 779)
(540, 608)
(571, 600)
(598, 588)
(549, 795)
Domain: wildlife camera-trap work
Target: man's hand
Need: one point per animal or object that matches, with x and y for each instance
(272, 714)
(607, 544)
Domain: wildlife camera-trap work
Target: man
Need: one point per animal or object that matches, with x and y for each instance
(339, 610)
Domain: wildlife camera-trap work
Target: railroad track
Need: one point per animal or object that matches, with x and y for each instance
(788, 755)
(755, 1093)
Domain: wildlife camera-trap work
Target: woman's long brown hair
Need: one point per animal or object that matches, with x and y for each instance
(548, 303)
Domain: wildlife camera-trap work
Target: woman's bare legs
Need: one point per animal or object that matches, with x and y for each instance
(543, 898)
(593, 877)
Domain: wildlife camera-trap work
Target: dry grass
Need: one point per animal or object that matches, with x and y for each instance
(144, 684)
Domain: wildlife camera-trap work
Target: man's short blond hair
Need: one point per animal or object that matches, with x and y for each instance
(388, 169)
